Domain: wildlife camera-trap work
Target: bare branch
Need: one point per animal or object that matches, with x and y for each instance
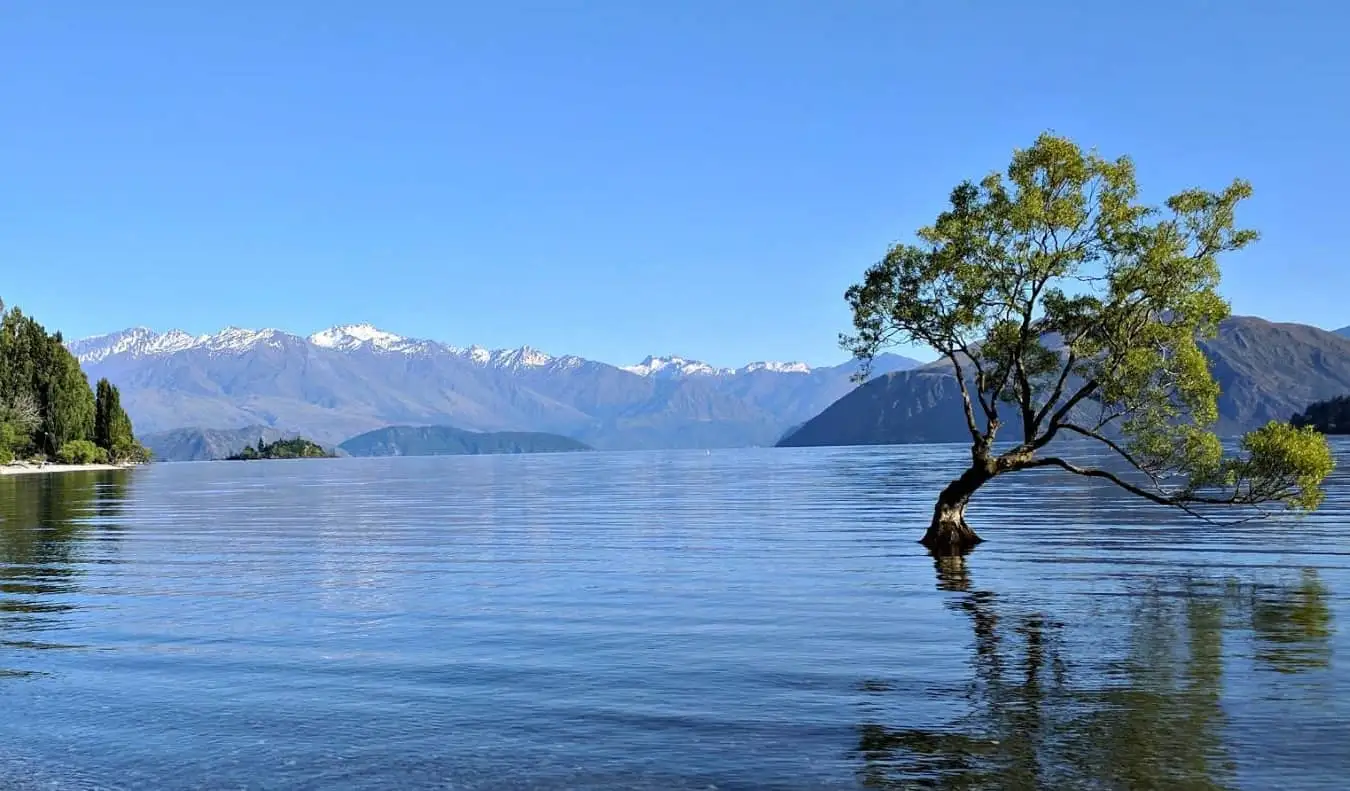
(1055, 394)
(1181, 502)
(965, 400)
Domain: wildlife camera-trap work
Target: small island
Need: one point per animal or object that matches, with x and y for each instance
(294, 448)
(1328, 417)
(451, 441)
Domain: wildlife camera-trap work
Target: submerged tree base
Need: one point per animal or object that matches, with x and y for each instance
(949, 534)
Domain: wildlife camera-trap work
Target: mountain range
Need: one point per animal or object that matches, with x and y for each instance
(351, 379)
(1265, 370)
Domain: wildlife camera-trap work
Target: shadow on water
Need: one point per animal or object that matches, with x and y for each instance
(1049, 709)
(43, 521)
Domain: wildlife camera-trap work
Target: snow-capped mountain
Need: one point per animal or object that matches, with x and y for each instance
(137, 342)
(352, 378)
(143, 342)
(675, 366)
(354, 336)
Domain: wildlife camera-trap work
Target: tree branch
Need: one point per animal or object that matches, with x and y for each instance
(1057, 420)
(965, 399)
(1039, 417)
(1115, 446)
(1183, 502)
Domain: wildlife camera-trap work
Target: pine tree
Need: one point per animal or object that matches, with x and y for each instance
(104, 404)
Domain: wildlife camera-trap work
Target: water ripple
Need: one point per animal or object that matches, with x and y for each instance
(733, 620)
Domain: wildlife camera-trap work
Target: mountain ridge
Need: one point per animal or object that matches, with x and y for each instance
(142, 341)
(350, 379)
(191, 443)
(1265, 370)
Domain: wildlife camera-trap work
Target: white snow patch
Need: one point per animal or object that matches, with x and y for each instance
(675, 366)
(348, 337)
(778, 368)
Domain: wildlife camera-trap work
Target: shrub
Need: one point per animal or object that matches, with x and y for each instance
(81, 451)
(129, 450)
(12, 440)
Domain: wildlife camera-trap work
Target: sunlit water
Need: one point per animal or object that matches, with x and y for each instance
(733, 620)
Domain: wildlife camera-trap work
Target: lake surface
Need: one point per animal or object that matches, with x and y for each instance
(735, 620)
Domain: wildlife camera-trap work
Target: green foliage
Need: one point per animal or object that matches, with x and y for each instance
(295, 448)
(1052, 289)
(1328, 417)
(81, 451)
(45, 399)
(112, 426)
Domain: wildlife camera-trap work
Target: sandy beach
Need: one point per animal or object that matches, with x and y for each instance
(26, 469)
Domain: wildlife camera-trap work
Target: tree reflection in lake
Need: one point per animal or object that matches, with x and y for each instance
(42, 519)
(1150, 717)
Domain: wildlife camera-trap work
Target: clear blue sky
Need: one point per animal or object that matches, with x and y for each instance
(614, 179)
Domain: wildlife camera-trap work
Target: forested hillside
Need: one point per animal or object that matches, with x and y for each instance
(47, 409)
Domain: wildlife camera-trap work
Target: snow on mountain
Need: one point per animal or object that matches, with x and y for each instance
(524, 357)
(238, 339)
(353, 336)
(778, 368)
(137, 342)
(672, 366)
(144, 342)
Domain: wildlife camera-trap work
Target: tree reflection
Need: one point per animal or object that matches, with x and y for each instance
(1293, 625)
(1141, 712)
(42, 519)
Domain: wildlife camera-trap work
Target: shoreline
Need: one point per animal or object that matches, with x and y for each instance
(33, 469)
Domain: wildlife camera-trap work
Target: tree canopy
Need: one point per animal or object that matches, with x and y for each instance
(294, 448)
(1066, 306)
(46, 402)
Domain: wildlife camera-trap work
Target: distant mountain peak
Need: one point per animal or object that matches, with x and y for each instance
(674, 366)
(778, 368)
(671, 366)
(136, 342)
(524, 357)
(352, 336)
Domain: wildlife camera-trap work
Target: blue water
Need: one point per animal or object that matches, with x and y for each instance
(741, 620)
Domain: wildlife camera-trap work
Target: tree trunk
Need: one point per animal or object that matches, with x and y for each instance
(949, 534)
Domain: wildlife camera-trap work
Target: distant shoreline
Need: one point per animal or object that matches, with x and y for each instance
(33, 469)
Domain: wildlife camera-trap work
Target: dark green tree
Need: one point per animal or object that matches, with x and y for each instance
(105, 401)
(45, 399)
(1328, 417)
(70, 402)
(1065, 307)
(112, 427)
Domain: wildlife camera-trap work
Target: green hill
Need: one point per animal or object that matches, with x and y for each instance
(1265, 370)
(204, 444)
(450, 441)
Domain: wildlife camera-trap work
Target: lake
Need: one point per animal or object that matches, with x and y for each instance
(729, 620)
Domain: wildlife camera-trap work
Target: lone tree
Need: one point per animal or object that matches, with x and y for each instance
(1066, 307)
